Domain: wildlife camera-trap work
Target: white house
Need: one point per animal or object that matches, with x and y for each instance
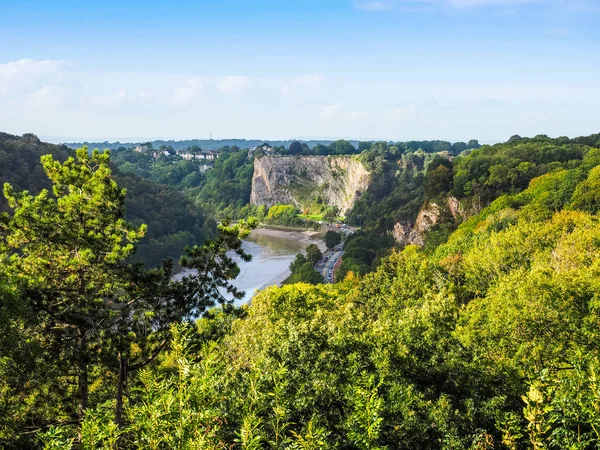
(187, 155)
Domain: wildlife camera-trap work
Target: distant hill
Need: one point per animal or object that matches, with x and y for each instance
(173, 221)
(206, 144)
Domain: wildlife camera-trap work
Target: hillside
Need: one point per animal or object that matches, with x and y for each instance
(488, 342)
(422, 198)
(173, 221)
(206, 144)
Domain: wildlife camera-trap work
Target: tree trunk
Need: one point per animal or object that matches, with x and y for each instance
(82, 375)
(121, 383)
(82, 379)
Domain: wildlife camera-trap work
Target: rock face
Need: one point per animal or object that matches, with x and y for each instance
(408, 233)
(300, 180)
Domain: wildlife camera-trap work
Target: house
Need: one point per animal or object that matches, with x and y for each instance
(187, 156)
(265, 148)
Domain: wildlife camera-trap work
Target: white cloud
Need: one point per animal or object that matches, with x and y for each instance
(58, 99)
(185, 94)
(328, 111)
(309, 84)
(50, 96)
(386, 5)
(233, 84)
(375, 5)
(27, 75)
(357, 116)
(402, 113)
(111, 100)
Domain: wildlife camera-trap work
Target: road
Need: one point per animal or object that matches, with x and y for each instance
(325, 267)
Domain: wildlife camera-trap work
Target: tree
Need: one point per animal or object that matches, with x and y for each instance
(302, 271)
(313, 254)
(332, 238)
(295, 148)
(66, 253)
(439, 178)
(330, 214)
(157, 302)
(66, 256)
(342, 147)
(283, 214)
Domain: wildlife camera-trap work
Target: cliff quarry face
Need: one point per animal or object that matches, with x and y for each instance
(303, 180)
(414, 233)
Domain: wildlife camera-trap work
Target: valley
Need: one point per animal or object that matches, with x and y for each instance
(454, 268)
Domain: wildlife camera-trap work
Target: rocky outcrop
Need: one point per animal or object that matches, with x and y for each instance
(414, 233)
(301, 180)
(408, 233)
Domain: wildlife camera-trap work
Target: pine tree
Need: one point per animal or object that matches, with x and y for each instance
(65, 251)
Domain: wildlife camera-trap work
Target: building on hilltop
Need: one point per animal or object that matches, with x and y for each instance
(265, 149)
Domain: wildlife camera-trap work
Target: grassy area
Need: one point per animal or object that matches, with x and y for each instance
(313, 217)
(285, 228)
(319, 217)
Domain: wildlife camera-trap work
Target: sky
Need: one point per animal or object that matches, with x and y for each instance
(283, 69)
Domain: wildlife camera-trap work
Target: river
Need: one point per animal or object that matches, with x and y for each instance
(272, 252)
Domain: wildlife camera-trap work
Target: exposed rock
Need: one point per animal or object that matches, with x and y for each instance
(298, 180)
(407, 233)
(455, 208)
(415, 234)
(401, 232)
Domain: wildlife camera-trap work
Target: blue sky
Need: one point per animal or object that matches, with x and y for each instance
(372, 69)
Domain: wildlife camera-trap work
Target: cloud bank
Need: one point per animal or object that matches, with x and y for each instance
(56, 98)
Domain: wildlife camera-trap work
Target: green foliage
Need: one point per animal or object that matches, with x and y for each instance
(172, 171)
(283, 215)
(363, 252)
(330, 214)
(303, 271)
(406, 178)
(332, 238)
(64, 253)
(506, 168)
(173, 221)
(313, 253)
(228, 185)
(491, 342)
(587, 194)
(77, 314)
(439, 178)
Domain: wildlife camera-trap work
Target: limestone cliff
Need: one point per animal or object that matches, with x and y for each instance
(302, 180)
(414, 233)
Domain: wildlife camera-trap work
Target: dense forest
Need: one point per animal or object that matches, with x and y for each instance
(405, 182)
(485, 338)
(174, 221)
